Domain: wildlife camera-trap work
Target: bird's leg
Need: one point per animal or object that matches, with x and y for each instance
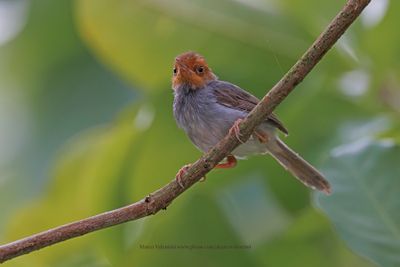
(235, 129)
(181, 172)
(231, 162)
(261, 136)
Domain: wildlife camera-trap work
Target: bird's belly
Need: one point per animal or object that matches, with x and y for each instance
(207, 133)
(251, 147)
(207, 122)
(204, 121)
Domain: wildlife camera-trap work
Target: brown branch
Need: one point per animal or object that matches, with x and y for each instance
(161, 198)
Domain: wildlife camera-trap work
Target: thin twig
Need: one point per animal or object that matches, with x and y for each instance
(161, 198)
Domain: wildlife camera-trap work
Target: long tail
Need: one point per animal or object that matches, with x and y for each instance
(297, 166)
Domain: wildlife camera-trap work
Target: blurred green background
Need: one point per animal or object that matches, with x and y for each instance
(86, 125)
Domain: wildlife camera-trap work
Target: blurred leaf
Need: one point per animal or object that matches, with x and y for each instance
(309, 241)
(365, 201)
(128, 35)
(51, 88)
(87, 175)
(197, 222)
(381, 42)
(40, 44)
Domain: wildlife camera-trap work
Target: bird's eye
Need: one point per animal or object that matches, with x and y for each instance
(200, 69)
(175, 71)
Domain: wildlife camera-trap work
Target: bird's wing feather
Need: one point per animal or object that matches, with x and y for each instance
(234, 97)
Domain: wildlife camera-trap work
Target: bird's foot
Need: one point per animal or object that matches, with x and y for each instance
(230, 163)
(181, 172)
(235, 129)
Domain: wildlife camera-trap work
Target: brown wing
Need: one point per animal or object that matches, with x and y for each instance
(234, 97)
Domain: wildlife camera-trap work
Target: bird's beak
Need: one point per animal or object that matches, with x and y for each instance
(184, 71)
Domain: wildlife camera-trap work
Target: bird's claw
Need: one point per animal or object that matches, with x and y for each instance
(181, 172)
(235, 129)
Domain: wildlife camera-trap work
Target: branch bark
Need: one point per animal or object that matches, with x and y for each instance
(161, 198)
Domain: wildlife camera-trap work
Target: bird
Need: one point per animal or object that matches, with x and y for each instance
(207, 109)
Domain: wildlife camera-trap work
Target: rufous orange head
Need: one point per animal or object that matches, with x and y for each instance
(191, 69)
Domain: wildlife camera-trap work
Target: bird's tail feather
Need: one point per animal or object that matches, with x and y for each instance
(297, 166)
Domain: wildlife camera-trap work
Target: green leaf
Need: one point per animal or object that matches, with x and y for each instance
(197, 221)
(88, 177)
(310, 241)
(365, 202)
(140, 39)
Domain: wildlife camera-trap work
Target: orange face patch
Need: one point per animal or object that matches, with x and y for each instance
(192, 69)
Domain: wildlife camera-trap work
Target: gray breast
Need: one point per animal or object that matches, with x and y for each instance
(204, 121)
